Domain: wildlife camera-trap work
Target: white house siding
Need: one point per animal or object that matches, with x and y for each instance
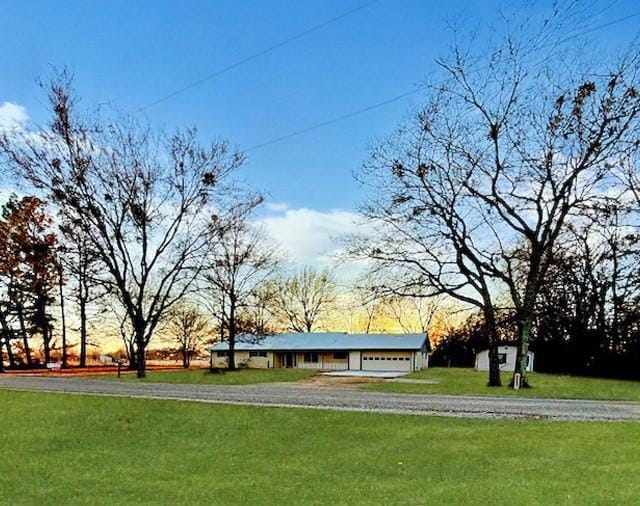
(511, 352)
(354, 360)
(243, 359)
(420, 360)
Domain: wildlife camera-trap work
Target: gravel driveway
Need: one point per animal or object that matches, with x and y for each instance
(290, 395)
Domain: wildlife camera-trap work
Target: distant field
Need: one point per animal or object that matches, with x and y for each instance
(459, 381)
(68, 449)
(203, 376)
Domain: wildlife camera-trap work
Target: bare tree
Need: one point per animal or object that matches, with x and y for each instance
(142, 198)
(63, 316)
(239, 267)
(188, 328)
(472, 195)
(412, 314)
(82, 262)
(259, 316)
(304, 297)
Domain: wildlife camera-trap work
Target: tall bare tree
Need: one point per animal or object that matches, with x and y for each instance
(474, 192)
(412, 314)
(141, 197)
(82, 263)
(188, 328)
(304, 297)
(239, 267)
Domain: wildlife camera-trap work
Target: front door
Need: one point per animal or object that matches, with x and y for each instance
(289, 359)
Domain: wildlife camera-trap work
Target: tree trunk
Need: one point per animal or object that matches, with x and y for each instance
(133, 359)
(523, 351)
(12, 359)
(525, 319)
(139, 335)
(25, 338)
(83, 330)
(46, 341)
(494, 367)
(231, 357)
(5, 336)
(63, 323)
(141, 366)
(232, 337)
(185, 358)
(494, 364)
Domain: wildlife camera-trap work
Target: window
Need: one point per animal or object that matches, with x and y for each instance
(222, 353)
(340, 355)
(258, 354)
(502, 358)
(311, 357)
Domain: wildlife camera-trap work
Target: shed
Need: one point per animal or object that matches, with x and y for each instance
(506, 357)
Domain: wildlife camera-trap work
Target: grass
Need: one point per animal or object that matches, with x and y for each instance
(458, 381)
(203, 376)
(68, 449)
(453, 381)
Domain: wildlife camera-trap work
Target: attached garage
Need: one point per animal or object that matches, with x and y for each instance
(386, 361)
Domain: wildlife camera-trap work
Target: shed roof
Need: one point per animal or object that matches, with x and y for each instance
(325, 341)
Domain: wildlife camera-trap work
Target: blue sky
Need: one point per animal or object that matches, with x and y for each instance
(130, 53)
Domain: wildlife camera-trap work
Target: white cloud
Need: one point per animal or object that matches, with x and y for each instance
(12, 116)
(311, 237)
(276, 207)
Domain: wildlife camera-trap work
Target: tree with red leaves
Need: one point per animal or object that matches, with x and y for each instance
(28, 272)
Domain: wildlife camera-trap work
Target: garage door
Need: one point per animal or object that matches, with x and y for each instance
(381, 361)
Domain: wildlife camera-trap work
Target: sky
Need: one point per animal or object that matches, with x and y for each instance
(132, 53)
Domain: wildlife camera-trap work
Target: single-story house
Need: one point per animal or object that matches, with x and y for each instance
(328, 351)
(506, 358)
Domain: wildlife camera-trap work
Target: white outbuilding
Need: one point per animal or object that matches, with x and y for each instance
(506, 358)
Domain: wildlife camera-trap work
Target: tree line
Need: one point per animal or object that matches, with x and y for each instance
(139, 230)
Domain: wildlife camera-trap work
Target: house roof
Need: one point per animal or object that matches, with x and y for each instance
(325, 341)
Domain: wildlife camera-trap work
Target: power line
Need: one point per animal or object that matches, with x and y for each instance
(257, 55)
(335, 120)
(600, 27)
(415, 90)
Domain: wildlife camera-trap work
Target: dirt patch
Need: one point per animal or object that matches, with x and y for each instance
(321, 381)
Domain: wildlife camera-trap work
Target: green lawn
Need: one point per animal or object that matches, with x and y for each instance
(458, 381)
(69, 449)
(203, 376)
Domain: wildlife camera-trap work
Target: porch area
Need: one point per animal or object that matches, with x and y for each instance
(327, 361)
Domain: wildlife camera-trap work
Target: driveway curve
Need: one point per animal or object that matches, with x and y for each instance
(290, 395)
